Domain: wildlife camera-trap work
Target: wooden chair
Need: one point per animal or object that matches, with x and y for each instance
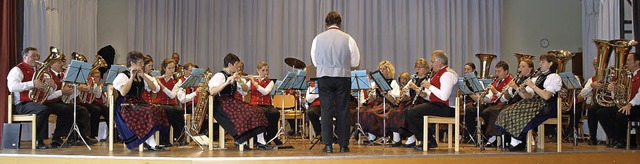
(288, 102)
(551, 121)
(455, 121)
(22, 118)
(633, 123)
(221, 131)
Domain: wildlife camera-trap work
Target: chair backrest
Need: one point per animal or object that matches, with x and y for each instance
(289, 101)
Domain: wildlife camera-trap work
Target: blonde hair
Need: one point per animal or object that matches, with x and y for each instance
(262, 64)
(404, 75)
(391, 70)
(422, 62)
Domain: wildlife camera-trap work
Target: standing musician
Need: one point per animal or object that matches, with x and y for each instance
(491, 99)
(632, 109)
(137, 120)
(539, 104)
(260, 90)
(166, 99)
(437, 91)
(374, 113)
(241, 120)
(595, 112)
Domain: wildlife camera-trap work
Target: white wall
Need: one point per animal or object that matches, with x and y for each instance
(112, 26)
(526, 22)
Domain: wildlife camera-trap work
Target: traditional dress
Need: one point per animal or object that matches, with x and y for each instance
(373, 114)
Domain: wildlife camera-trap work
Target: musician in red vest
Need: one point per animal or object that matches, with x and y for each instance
(19, 82)
(64, 111)
(260, 90)
(98, 103)
(148, 68)
(595, 112)
(166, 99)
(313, 111)
(632, 109)
(494, 90)
(437, 91)
(188, 97)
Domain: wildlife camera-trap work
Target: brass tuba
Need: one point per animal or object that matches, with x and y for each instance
(42, 72)
(521, 56)
(74, 56)
(620, 96)
(88, 97)
(485, 64)
(563, 57)
(200, 108)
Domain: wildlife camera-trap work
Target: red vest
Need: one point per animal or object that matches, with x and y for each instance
(435, 81)
(500, 86)
(58, 82)
(256, 97)
(27, 73)
(315, 102)
(161, 97)
(635, 84)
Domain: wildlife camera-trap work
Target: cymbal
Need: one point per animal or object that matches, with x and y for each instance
(295, 63)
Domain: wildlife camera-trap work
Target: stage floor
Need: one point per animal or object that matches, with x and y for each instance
(301, 153)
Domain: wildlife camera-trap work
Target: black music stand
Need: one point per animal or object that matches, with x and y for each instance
(77, 73)
(287, 84)
(476, 87)
(194, 80)
(112, 74)
(570, 82)
(359, 82)
(381, 82)
(300, 84)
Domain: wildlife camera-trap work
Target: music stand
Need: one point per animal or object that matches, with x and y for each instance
(155, 73)
(286, 84)
(359, 81)
(381, 82)
(77, 73)
(476, 87)
(465, 90)
(299, 84)
(314, 91)
(194, 80)
(113, 73)
(570, 82)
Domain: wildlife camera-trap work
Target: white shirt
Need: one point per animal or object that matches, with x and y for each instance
(447, 81)
(263, 90)
(311, 97)
(183, 97)
(587, 92)
(636, 98)
(219, 79)
(122, 79)
(332, 69)
(553, 84)
(174, 91)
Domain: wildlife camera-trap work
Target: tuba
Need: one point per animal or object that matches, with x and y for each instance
(74, 56)
(563, 57)
(42, 72)
(521, 56)
(620, 95)
(485, 64)
(200, 108)
(88, 97)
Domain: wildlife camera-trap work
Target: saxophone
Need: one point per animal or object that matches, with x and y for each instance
(40, 95)
(200, 109)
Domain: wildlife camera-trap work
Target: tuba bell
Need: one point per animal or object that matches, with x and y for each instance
(88, 97)
(485, 64)
(620, 95)
(563, 57)
(42, 72)
(521, 56)
(74, 56)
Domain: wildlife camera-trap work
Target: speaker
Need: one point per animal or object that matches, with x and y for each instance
(11, 136)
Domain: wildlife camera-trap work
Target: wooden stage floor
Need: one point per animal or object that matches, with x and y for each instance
(583, 153)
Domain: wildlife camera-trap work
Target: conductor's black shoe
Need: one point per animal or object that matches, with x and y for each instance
(260, 146)
(327, 149)
(41, 145)
(344, 149)
(593, 142)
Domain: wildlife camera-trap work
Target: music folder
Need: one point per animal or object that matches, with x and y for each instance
(300, 82)
(570, 81)
(379, 79)
(78, 72)
(473, 82)
(359, 80)
(463, 86)
(113, 73)
(287, 82)
(194, 79)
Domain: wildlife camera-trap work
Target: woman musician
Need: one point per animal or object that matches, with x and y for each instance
(373, 115)
(538, 105)
(166, 99)
(409, 98)
(137, 120)
(260, 90)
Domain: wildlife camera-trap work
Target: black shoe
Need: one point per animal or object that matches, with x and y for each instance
(90, 141)
(620, 145)
(593, 142)
(327, 149)
(41, 145)
(409, 145)
(519, 147)
(263, 147)
(419, 147)
(432, 144)
(396, 144)
(246, 147)
(344, 149)
(277, 142)
(155, 148)
(56, 143)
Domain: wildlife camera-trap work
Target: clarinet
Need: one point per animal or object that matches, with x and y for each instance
(427, 76)
(501, 94)
(535, 74)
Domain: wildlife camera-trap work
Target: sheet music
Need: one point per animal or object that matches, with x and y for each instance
(463, 87)
(194, 79)
(359, 79)
(78, 72)
(380, 81)
(113, 72)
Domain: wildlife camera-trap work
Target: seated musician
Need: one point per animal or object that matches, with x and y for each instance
(260, 90)
(491, 98)
(539, 104)
(189, 96)
(148, 68)
(98, 102)
(136, 119)
(166, 99)
(595, 112)
(241, 120)
(437, 92)
(313, 111)
(409, 99)
(632, 109)
(371, 118)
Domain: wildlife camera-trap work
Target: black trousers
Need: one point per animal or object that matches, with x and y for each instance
(273, 115)
(604, 115)
(314, 117)
(175, 116)
(42, 116)
(471, 122)
(64, 120)
(621, 119)
(415, 117)
(95, 111)
(334, 102)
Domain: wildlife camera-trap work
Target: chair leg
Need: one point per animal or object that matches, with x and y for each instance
(33, 132)
(541, 137)
(437, 132)
(449, 135)
(529, 141)
(425, 133)
(559, 138)
(221, 138)
(628, 134)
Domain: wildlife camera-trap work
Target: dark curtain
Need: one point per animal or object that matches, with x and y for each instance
(8, 50)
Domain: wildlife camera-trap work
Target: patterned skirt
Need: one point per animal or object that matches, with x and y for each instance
(516, 119)
(372, 117)
(493, 112)
(142, 117)
(241, 120)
